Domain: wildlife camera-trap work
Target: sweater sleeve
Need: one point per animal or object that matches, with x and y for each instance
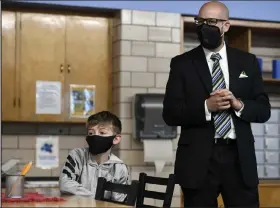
(70, 174)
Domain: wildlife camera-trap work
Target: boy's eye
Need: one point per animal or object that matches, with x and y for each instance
(90, 133)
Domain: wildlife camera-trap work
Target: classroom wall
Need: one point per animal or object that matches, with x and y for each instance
(143, 45)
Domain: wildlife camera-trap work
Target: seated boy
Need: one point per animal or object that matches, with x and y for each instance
(84, 166)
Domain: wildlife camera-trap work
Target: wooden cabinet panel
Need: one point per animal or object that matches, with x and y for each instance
(268, 192)
(88, 58)
(269, 195)
(9, 99)
(240, 37)
(52, 47)
(42, 56)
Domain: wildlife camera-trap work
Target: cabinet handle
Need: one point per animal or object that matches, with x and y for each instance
(15, 102)
(69, 68)
(61, 68)
(19, 102)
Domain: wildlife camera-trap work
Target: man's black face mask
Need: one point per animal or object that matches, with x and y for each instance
(209, 36)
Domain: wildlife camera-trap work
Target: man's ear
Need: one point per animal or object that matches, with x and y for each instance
(117, 139)
(226, 26)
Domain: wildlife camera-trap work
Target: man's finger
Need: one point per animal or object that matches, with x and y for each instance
(224, 107)
(228, 97)
(222, 92)
(216, 92)
(224, 103)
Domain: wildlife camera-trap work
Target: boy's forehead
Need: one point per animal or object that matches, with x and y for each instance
(100, 126)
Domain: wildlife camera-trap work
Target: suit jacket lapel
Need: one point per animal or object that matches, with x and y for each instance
(202, 68)
(233, 69)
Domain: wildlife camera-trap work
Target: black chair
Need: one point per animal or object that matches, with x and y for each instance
(129, 190)
(143, 193)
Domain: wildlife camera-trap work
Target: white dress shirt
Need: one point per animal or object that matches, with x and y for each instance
(224, 67)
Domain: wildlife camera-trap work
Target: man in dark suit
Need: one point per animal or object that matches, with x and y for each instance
(214, 92)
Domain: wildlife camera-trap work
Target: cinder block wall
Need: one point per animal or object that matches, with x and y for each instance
(143, 45)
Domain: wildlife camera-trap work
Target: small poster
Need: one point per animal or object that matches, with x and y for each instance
(47, 152)
(82, 101)
(48, 97)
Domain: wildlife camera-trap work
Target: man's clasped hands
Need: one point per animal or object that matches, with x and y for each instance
(223, 99)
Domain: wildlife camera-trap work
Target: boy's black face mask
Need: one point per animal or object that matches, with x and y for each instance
(99, 144)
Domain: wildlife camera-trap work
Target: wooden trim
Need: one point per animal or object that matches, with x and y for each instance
(271, 80)
(58, 9)
(272, 86)
(244, 23)
(182, 34)
(110, 45)
(249, 40)
(18, 61)
(263, 183)
(255, 24)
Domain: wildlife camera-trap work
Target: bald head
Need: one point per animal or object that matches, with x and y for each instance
(214, 9)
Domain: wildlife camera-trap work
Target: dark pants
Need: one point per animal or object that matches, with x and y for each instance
(223, 177)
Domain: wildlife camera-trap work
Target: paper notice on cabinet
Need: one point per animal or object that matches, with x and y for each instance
(47, 152)
(82, 101)
(48, 97)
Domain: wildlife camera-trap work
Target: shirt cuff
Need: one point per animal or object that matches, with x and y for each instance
(207, 113)
(238, 113)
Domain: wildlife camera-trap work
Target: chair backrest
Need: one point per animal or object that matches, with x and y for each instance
(143, 193)
(129, 190)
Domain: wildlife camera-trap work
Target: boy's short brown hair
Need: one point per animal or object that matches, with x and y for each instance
(105, 118)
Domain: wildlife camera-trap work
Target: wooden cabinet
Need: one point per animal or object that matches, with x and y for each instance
(9, 101)
(87, 57)
(53, 47)
(240, 37)
(269, 193)
(42, 57)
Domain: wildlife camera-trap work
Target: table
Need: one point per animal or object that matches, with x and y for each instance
(71, 200)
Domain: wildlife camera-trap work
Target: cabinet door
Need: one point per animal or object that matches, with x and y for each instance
(269, 194)
(9, 99)
(88, 59)
(42, 58)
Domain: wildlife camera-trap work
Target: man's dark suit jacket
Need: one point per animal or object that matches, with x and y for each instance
(188, 86)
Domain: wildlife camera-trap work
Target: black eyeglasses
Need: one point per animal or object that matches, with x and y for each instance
(208, 21)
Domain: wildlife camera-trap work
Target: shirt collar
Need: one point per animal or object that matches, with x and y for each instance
(222, 52)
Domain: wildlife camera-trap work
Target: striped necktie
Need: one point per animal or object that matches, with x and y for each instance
(222, 118)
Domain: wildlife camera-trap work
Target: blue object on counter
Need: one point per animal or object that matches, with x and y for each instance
(260, 63)
(276, 69)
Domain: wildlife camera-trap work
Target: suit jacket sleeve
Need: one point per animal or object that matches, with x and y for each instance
(177, 109)
(256, 109)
